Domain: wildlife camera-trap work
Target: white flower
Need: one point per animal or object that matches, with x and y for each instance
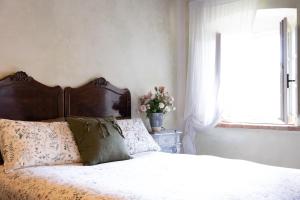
(143, 108)
(174, 108)
(171, 99)
(167, 109)
(161, 105)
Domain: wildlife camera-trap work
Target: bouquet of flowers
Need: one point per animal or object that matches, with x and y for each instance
(159, 102)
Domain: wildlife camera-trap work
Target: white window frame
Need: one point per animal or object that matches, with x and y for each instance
(289, 71)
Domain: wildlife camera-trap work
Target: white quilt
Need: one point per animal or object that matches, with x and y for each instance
(154, 176)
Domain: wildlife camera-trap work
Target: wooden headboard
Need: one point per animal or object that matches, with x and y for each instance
(23, 98)
(98, 98)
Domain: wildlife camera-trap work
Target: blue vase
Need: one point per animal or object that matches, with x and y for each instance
(156, 121)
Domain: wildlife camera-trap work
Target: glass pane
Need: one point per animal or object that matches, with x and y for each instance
(251, 77)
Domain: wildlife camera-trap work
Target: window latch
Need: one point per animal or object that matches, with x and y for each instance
(289, 80)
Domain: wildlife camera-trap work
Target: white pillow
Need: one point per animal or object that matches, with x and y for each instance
(137, 138)
(25, 144)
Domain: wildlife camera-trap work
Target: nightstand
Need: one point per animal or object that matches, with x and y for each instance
(169, 140)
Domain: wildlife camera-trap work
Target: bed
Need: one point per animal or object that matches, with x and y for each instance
(148, 176)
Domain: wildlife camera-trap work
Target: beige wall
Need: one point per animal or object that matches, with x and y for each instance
(280, 148)
(132, 43)
(182, 47)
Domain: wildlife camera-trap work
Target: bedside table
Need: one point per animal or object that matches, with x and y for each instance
(169, 140)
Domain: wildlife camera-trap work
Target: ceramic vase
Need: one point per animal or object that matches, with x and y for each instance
(156, 121)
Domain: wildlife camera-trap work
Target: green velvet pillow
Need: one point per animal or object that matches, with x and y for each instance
(99, 140)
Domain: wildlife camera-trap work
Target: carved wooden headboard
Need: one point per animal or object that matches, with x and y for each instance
(98, 98)
(23, 98)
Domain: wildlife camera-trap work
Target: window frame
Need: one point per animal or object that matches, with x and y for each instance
(289, 122)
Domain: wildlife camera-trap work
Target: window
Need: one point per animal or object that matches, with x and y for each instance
(258, 70)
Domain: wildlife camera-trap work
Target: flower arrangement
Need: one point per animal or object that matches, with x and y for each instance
(159, 102)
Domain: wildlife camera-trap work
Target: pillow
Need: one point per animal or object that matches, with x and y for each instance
(98, 140)
(60, 119)
(137, 137)
(25, 144)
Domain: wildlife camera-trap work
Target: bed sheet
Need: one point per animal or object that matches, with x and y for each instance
(154, 176)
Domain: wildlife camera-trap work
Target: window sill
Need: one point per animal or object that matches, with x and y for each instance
(280, 127)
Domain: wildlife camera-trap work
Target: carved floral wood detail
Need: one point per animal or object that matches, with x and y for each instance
(100, 82)
(20, 76)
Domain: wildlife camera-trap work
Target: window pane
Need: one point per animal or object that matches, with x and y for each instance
(251, 77)
(250, 70)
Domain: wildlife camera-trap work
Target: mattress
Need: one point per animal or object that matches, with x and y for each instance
(154, 176)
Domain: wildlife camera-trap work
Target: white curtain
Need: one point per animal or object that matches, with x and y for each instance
(208, 19)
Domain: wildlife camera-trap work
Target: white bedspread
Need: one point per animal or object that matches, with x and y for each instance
(154, 176)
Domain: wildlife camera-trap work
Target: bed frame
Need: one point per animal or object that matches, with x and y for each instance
(23, 98)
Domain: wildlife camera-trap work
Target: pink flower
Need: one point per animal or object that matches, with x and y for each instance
(161, 89)
(166, 94)
(143, 108)
(171, 98)
(149, 95)
(142, 100)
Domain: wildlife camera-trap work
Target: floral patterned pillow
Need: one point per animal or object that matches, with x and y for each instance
(25, 144)
(137, 138)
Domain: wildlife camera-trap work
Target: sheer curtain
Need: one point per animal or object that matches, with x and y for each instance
(208, 20)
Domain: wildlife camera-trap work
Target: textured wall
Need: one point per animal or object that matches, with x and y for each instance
(132, 43)
(279, 148)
